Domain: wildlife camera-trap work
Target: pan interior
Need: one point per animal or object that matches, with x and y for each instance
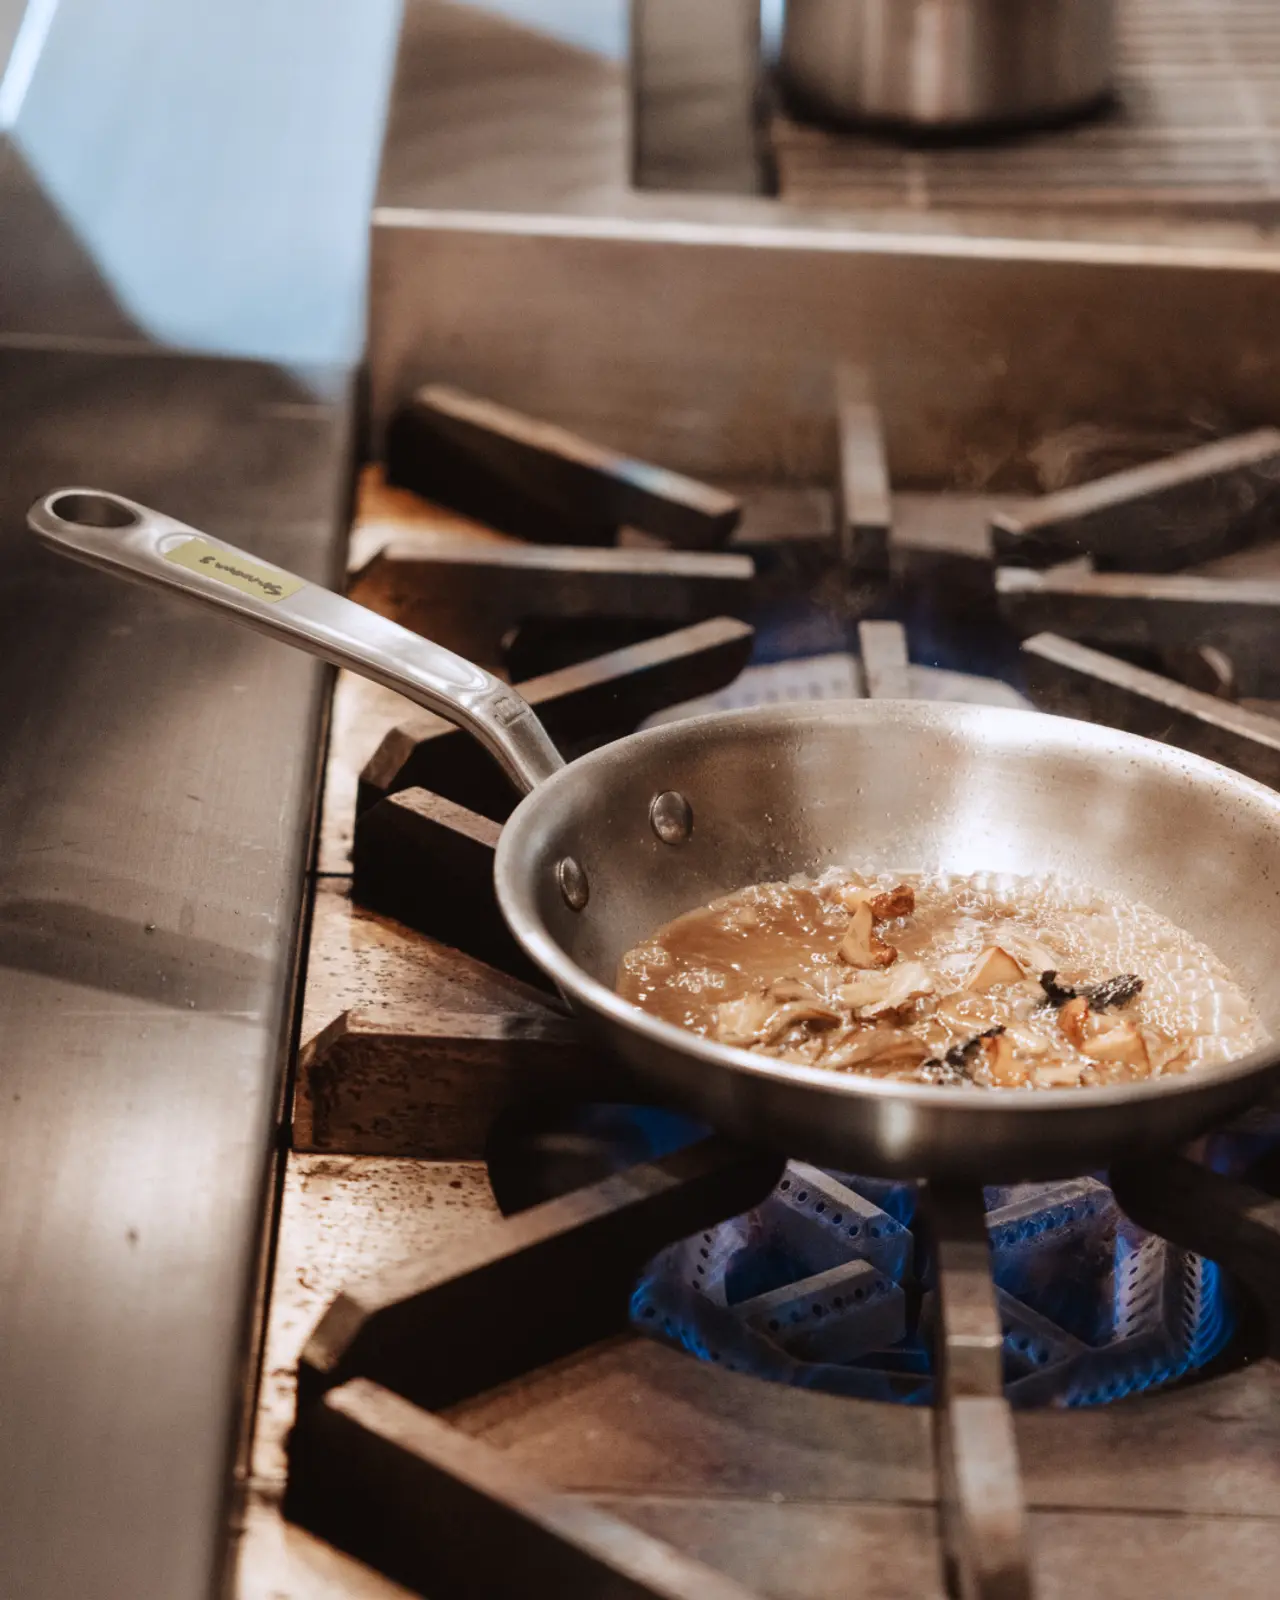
(899, 787)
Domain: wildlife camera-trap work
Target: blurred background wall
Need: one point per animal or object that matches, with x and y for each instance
(215, 163)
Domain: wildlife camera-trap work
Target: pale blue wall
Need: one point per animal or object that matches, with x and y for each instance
(217, 159)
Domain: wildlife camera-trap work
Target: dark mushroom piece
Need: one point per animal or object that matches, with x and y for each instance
(960, 1056)
(1056, 993)
(1117, 991)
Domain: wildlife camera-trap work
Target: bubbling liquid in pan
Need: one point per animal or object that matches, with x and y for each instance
(993, 981)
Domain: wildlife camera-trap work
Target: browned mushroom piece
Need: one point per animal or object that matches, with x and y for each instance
(999, 1062)
(1072, 1018)
(1101, 1039)
(896, 902)
(1122, 1044)
(860, 946)
(993, 966)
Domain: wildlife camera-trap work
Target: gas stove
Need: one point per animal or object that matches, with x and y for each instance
(527, 1336)
(463, 1391)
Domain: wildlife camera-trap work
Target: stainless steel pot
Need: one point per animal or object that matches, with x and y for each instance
(947, 64)
(601, 852)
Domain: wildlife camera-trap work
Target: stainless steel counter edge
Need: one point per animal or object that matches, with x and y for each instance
(157, 777)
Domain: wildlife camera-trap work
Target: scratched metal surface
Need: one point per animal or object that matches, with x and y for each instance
(155, 791)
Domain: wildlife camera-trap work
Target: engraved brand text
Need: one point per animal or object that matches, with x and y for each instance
(265, 584)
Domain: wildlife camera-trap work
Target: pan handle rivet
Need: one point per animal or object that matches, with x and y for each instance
(671, 817)
(575, 891)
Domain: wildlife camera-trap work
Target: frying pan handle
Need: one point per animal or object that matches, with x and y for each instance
(118, 535)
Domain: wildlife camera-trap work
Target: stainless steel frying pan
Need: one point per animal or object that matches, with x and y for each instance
(601, 852)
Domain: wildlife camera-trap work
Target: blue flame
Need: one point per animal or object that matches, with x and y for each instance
(1093, 1308)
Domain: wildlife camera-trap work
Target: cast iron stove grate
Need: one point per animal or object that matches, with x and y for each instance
(371, 1451)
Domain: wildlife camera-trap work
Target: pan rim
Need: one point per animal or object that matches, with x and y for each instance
(515, 893)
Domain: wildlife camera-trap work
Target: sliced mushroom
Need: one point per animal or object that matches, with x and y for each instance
(881, 1047)
(759, 1019)
(1177, 1063)
(1072, 1018)
(993, 966)
(1122, 1044)
(960, 1057)
(899, 901)
(1061, 1075)
(1119, 1042)
(863, 988)
(811, 1013)
(873, 992)
(743, 1021)
(782, 989)
(860, 947)
(1026, 1042)
(999, 1062)
(1033, 956)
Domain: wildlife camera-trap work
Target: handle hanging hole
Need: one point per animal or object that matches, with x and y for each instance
(94, 511)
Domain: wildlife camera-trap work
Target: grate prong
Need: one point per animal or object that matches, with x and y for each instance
(984, 1532)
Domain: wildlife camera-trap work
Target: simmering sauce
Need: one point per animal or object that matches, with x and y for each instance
(995, 981)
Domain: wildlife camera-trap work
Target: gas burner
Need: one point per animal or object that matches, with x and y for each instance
(428, 1039)
(827, 1286)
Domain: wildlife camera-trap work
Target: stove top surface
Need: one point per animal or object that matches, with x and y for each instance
(425, 1042)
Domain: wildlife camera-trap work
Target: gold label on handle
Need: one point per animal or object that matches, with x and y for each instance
(236, 571)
